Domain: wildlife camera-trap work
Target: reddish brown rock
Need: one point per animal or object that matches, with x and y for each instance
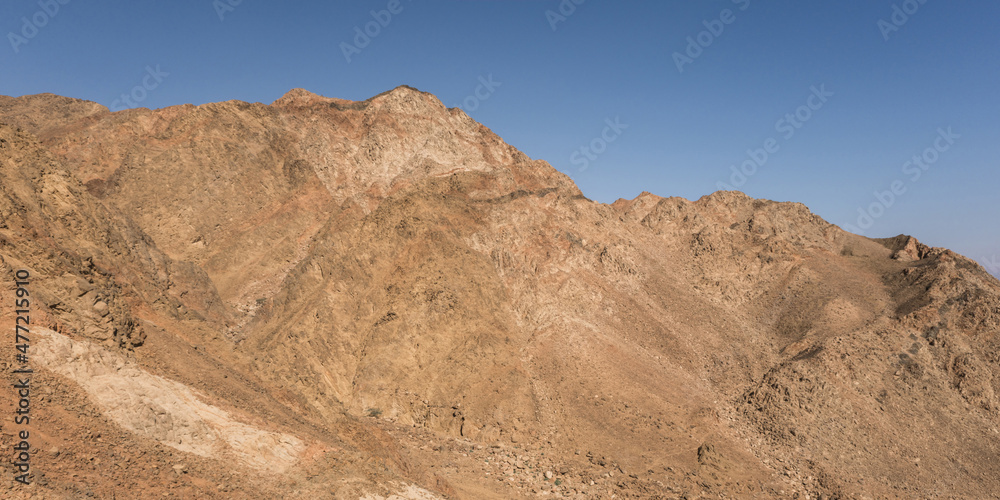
(422, 309)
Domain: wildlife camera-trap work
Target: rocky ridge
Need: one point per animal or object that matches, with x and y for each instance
(428, 310)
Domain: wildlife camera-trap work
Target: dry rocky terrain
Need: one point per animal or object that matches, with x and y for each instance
(321, 298)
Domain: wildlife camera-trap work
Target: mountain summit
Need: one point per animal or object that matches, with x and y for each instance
(382, 297)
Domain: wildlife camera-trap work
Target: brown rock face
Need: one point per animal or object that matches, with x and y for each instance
(383, 297)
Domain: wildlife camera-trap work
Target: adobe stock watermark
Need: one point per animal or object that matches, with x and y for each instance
(589, 153)
(150, 81)
(900, 15)
(30, 26)
(565, 9)
(992, 265)
(713, 29)
(223, 7)
(914, 169)
(487, 86)
(787, 126)
(372, 29)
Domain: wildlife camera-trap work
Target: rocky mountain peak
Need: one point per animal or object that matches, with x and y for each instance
(383, 297)
(298, 98)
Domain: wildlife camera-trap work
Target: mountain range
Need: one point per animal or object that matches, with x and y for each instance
(323, 298)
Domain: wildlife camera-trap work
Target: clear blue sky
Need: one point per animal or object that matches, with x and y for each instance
(604, 60)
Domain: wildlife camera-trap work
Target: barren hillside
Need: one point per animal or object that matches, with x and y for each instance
(329, 298)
